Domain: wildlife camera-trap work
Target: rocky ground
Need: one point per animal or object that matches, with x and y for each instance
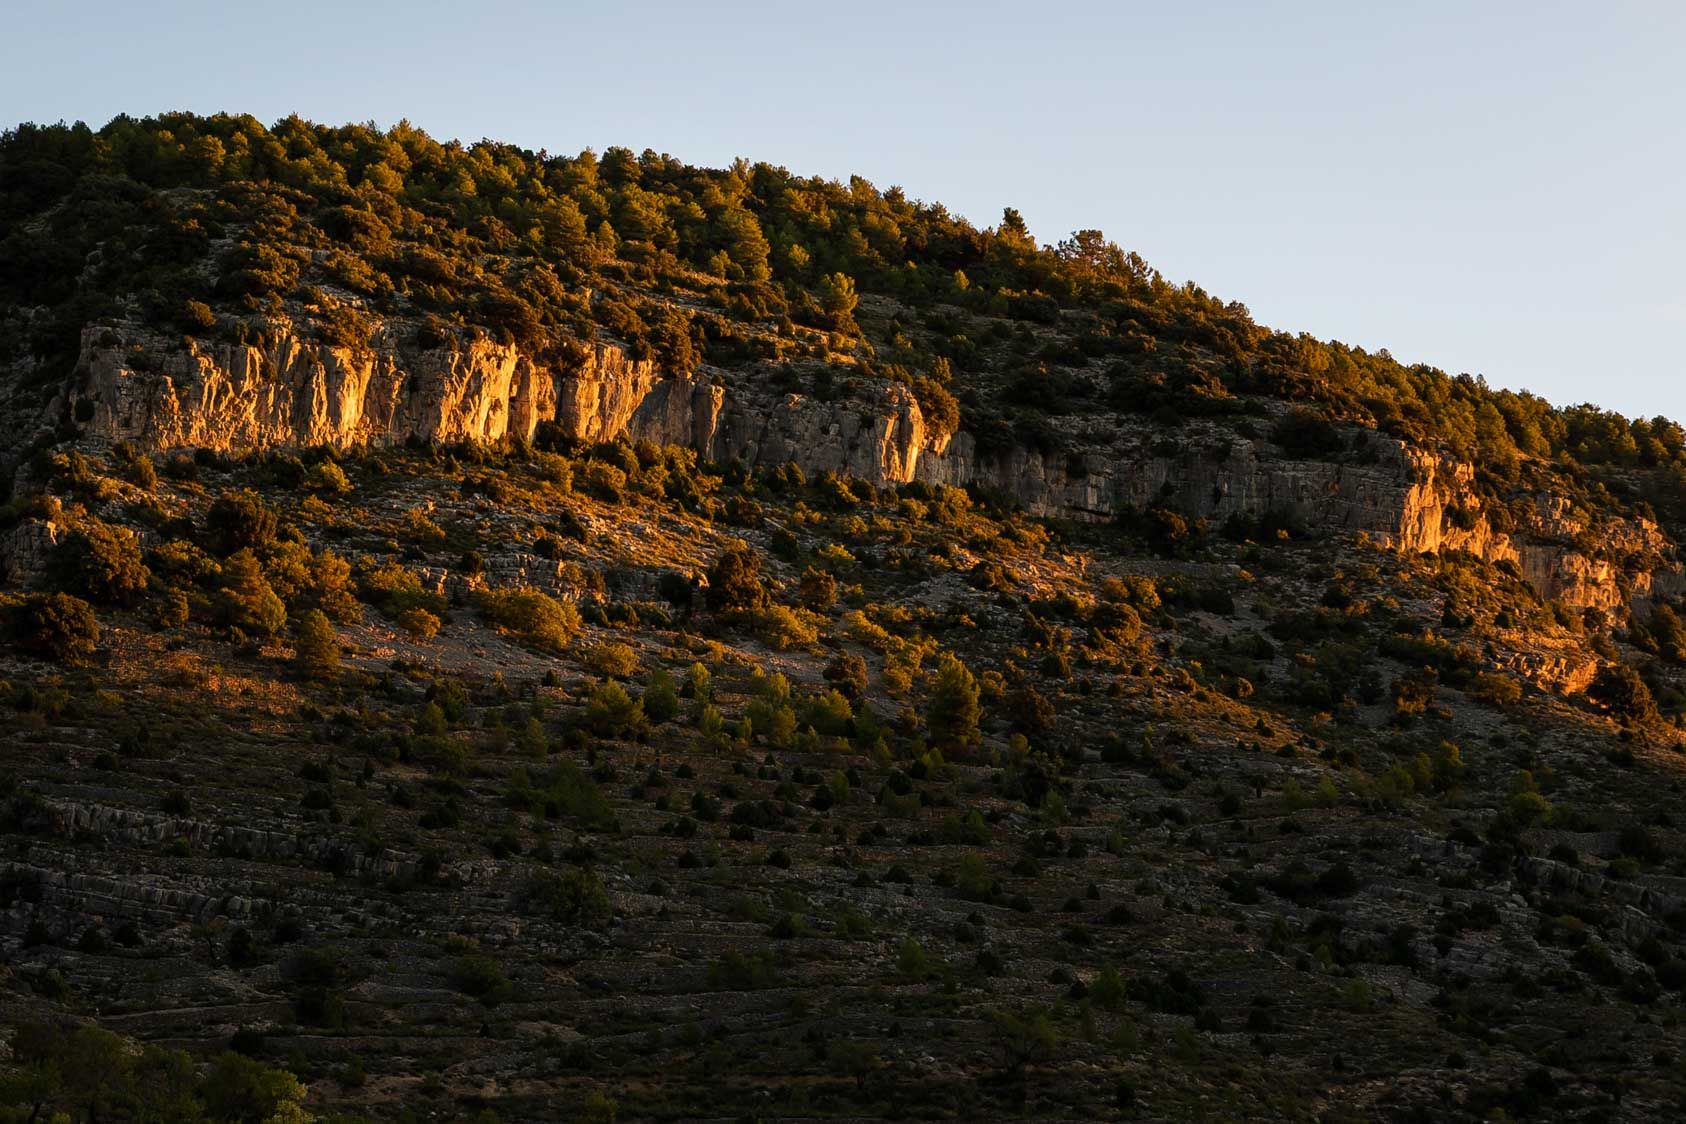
(1220, 849)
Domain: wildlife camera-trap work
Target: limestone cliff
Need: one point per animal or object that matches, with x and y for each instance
(1399, 495)
(292, 390)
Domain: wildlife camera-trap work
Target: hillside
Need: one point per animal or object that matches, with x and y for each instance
(517, 637)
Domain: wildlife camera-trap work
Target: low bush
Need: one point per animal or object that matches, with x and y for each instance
(55, 626)
(533, 617)
(102, 563)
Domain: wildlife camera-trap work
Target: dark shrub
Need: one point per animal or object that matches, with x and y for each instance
(56, 626)
(239, 521)
(1307, 435)
(102, 563)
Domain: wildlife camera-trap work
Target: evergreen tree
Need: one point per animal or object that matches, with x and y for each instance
(247, 602)
(239, 521)
(817, 590)
(734, 584)
(55, 626)
(661, 698)
(316, 653)
(837, 296)
(848, 674)
(103, 563)
(954, 711)
(1619, 690)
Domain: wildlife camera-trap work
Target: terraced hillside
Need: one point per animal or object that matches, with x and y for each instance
(505, 637)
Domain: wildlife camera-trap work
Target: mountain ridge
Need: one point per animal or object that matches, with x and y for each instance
(1179, 352)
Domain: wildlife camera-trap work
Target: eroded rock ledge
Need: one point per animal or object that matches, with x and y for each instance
(297, 391)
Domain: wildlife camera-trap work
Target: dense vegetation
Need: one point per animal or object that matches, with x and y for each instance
(187, 221)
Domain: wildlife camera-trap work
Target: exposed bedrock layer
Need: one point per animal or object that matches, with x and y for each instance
(297, 391)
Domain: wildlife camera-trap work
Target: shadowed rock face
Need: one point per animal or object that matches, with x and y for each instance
(26, 551)
(300, 392)
(1402, 495)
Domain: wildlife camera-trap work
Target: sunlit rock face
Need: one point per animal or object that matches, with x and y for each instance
(292, 390)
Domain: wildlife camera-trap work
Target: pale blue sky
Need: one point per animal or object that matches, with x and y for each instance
(1488, 187)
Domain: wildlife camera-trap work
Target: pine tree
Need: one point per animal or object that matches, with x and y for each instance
(953, 712)
(661, 698)
(316, 653)
(734, 584)
(837, 295)
(247, 602)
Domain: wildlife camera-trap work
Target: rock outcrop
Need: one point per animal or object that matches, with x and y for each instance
(26, 551)
(1399, 494)
(884, 440)
(294, 391)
